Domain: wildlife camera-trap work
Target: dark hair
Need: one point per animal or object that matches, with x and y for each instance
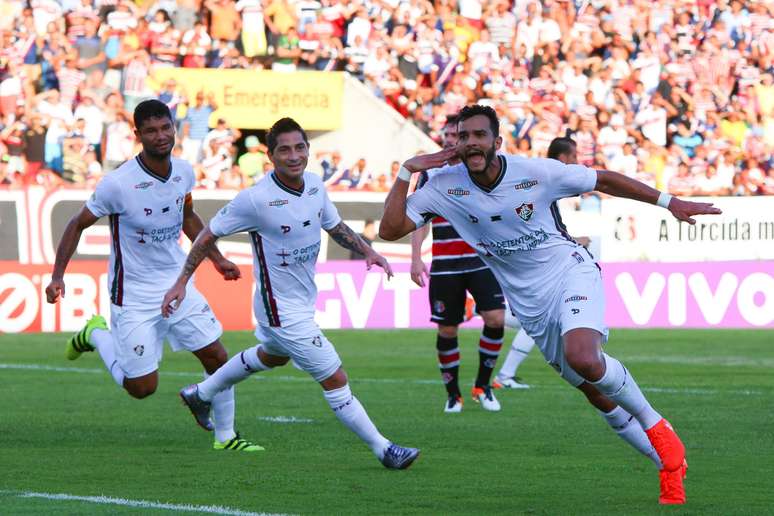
(147, 109)
(478, 109)
(282, 126)
(559, 146)
(451, 119)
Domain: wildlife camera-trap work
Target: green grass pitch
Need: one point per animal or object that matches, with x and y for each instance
(67, 429)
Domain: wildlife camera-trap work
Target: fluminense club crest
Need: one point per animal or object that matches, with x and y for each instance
(525, 211)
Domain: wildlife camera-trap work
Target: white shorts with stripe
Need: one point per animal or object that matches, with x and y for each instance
(579, 303)
(139, 333)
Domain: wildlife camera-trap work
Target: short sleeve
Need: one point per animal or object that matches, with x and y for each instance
(106, 199)
(568, 180)
(420, 206)
(330, 215)
(238, 215)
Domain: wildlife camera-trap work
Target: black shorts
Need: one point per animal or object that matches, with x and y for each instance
(448, 294)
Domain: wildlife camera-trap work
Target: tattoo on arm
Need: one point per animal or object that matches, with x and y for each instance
(200, 249)
(348, 239)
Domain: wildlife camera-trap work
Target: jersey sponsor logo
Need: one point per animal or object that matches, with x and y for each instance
(148, 211)
(284, 254)
(578, 257)
(177, 179)
(526, 184)
(313, 191)
(165, 209)
(496, 218)
(525, 211)
(179, 203)
(142, 234)
(575, 311)
(572, 299)
(143, 186)
(278, 202)
(307, 223)
(285, 229)
(508, 247)
(139, 349)
(458, 192)
(473, 218)
(317, 341)
(205, 309)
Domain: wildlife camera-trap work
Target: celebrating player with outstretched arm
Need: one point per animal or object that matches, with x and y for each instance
(284, 213)
(148, 200)
(505, 207)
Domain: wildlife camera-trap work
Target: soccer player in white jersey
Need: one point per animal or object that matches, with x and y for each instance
(552, 284)
(148, 200)
(563, 149)
(284, 213)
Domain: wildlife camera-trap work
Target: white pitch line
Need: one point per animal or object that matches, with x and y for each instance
(733, 361)
(144, 504)
(285, 419)
(415, 381)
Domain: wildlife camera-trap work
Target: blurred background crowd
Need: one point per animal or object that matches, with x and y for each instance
(677, 93)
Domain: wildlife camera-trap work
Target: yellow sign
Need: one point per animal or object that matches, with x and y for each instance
(255, 99)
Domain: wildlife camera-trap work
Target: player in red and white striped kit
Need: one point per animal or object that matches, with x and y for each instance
(456, 270)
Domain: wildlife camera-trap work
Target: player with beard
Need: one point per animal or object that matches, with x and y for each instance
(455, 270)
(148, 200)
(552, 284)
(284, 214)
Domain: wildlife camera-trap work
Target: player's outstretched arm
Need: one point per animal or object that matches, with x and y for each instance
(65, 250)
(348, 239)
(192, 226)
(199, 250)
(418, 269)
(395, 223)
(618, 185)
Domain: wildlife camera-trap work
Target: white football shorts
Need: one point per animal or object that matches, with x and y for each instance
(305, 343)
(579, 303)
(139, 333)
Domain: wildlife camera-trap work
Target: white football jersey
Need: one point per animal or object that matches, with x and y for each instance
(514, 225)
(146, 217)
(284, 226)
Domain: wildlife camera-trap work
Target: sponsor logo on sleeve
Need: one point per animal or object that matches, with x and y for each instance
(525, 211)
(177, 179)
(313, 191)
(179, 203)
(458, 192)
(526, 184)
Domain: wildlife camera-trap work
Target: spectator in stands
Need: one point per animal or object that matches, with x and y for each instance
(196, 126)
(353, 178)
(251, 163)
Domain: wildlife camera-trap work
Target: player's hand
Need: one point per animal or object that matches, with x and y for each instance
(418, 272)
(686, 210)
(427, 161)
(172, 299)
(55, 290)
(374, 258)
(228, 269)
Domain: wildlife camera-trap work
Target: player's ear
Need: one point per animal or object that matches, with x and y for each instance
(498, 142)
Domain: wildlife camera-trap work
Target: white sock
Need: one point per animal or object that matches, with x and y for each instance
(511, 321)
(619, 385)
(239, 367)
(223, 413)
(103, 341)
(350, 412)
(631, 431)
(520, 347)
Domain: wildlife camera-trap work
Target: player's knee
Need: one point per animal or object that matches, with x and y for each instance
(140, 391)
(335, 381)
(587, 363)
(447, 332)
(494, 318)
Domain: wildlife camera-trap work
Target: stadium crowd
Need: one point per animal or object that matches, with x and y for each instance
(678, 93)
